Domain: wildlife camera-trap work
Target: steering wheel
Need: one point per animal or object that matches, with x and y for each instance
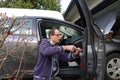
(75, 40)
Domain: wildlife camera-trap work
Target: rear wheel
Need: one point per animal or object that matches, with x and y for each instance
(113, 67)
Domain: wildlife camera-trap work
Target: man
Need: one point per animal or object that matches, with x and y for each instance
(48, 49)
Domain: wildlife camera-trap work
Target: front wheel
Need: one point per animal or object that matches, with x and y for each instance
(113, 67)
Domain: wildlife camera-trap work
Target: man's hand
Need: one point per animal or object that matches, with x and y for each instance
(77, 51)
(70, 48)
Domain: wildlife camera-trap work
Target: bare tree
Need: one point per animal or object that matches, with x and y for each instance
(6, 26)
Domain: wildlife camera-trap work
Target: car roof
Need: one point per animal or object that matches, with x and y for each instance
(19, 12)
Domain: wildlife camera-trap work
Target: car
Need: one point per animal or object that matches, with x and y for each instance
(20, 38)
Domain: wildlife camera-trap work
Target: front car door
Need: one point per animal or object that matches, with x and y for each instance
(94, 46)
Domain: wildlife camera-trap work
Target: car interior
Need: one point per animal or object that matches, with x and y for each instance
(70, 36)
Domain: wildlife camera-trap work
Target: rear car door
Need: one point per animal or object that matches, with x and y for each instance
(18, 53)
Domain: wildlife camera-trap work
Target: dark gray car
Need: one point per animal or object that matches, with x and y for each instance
(18, 54)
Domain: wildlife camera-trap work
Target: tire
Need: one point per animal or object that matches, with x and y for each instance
(113, 67)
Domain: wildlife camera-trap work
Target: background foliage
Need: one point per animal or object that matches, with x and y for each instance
(32, 4)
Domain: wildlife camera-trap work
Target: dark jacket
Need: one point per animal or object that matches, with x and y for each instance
(42, 69)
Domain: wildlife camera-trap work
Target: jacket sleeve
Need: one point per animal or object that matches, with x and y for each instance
(67, 57)
(47, 49)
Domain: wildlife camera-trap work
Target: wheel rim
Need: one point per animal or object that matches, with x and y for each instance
(113, 68)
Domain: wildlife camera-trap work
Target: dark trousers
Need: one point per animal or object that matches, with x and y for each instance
(56, 78)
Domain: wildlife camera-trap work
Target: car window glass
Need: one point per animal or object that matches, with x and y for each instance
(66, 30)
(20, 26)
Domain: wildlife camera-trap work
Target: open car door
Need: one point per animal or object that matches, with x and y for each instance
(94, 46)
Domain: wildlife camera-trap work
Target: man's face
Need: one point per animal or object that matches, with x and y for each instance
(56, 37)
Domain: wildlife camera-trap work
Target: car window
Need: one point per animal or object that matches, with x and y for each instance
(20, 26)
(66, 30)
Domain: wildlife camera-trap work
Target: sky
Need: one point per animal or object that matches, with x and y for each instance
(64, 5)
